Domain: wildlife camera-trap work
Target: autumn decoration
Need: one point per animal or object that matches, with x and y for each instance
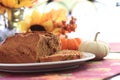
(99, 48)
(70, 43)
(55, 21)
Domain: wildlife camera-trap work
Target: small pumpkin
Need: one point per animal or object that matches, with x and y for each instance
(99, 48)
(70, 43)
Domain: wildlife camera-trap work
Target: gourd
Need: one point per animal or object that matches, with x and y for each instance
(70, 43)
(99, 48)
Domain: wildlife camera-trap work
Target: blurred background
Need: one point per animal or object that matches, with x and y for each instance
(92, 16)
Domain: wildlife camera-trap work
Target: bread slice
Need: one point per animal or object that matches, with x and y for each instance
(28, 47)
(62, 56)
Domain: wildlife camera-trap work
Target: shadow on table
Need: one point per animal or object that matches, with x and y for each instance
(75, 69)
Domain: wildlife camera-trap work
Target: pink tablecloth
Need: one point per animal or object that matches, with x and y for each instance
(115, 47)
(91, 70)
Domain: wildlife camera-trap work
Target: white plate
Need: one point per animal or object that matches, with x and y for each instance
(46, 66)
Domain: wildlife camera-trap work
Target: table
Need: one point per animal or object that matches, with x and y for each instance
(90, 70)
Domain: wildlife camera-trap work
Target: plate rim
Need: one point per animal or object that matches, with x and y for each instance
(46, 66)
(84, 58)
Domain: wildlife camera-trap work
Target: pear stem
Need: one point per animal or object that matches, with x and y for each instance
(95, 39)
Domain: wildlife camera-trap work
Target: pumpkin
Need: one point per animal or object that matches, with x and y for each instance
(70, 43)
(99, 48)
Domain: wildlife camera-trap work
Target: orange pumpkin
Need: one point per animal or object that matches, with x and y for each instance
(70, 43)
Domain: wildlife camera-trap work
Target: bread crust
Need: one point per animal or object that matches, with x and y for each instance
(28, 47)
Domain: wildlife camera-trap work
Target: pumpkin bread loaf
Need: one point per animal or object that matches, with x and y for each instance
(62, 56)
(28, 47)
